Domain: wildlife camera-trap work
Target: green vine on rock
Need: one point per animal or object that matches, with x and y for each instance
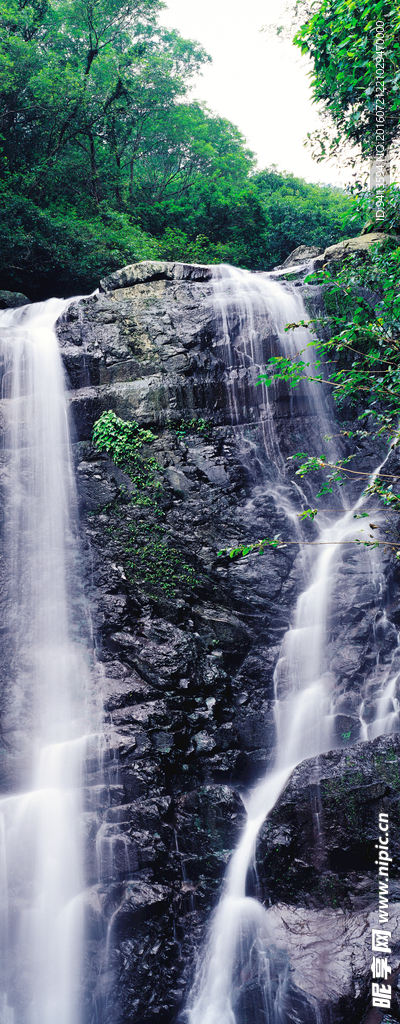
(123, 440)
(150, 560)
(201, 427)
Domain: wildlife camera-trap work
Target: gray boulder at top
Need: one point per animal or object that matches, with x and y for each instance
(153, 270)
(334, 253)
(337, 252)
(302, 254)
(11, 300)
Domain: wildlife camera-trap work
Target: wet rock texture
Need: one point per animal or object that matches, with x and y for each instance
(317, 856)
(186, 647)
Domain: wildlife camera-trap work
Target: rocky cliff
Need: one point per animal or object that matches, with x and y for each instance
(186, 646)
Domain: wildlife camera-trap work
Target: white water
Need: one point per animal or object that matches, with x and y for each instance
(240, 944)
(45, 700)
(45, 718)
(254, 310)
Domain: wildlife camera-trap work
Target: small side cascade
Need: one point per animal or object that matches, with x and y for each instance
(115, 856)
(253, 311)
(187, 887)
(240, 974)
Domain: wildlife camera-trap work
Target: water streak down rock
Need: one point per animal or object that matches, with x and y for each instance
(45, 705)
(189, 656)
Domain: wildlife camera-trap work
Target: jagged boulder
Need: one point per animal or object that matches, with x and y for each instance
(12, 300)
(302, 254)
(360, 244)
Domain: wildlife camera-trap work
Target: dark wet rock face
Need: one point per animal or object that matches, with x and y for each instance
(317, 857)
(12, 300)
(187, 643)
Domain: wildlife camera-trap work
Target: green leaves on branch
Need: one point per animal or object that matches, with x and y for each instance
(385, 493)
(122, 441)
(261, 546)
(286, 369)
(338, 470)
(308, 513)
(258, 545)
(361, 359)
(340, 38)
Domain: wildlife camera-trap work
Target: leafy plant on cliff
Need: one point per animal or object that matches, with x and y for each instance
(153, 562)
(201, 427)
(150, 560)
(123, 440)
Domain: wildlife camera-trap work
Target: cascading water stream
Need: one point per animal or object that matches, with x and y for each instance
(45, 699)
(240, 944)
(47, 710)
(251, 309)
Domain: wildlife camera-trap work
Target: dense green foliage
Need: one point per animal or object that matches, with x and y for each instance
(104, 159)
(46, 251)
(304, 214)
(121, 439)
(340, 38)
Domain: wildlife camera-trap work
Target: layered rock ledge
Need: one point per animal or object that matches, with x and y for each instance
(186, 650)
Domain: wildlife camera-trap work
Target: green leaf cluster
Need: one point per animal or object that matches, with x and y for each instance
(201, 427)
(241, 550)
(121, 439)
(339, 36)
(150, 560)
(155, 564)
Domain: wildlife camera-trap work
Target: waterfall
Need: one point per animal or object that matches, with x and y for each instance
(49, 714)
(45, 697)
(253, 311)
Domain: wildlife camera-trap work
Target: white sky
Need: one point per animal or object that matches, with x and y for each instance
(257, 82)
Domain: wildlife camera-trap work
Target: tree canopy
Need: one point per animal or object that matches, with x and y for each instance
(105, 158)
(88, 88)
(353, 71)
